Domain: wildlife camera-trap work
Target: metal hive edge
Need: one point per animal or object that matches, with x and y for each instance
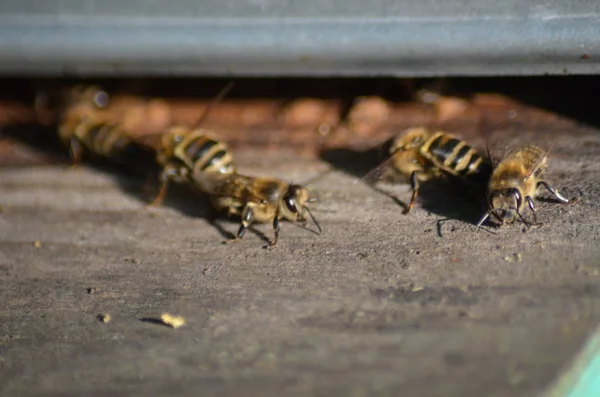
(402, 38)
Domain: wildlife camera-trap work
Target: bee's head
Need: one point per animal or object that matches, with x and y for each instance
(410, 139)
(91, 95)
(294, 204)
(505, 203)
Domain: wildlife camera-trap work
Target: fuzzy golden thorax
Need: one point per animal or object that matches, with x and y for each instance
(410, 140)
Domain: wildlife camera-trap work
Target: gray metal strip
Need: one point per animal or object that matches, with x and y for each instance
(300, 38)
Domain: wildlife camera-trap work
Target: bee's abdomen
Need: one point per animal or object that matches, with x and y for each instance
(456, 157)
(209, 156)
(443, 148)
(104, 138)
(472, 164)
(199, 148)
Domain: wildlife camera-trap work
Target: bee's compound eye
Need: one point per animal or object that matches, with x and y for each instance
(290, 203)
(101, 99)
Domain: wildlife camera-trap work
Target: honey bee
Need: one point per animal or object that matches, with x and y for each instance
(80, 125)
(515, 182)
(85, 127)
(191, 156)
(258, 200)
(421, 154)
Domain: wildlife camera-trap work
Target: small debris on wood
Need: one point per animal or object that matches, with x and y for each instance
(105, 318)
(37, 244)
(92, 290)
(172, 321)
(133, 260)
(516, 257)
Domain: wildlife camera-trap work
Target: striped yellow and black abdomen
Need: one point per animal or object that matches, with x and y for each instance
(104, 138)
(455, 157)
(192, 156)
(99, 137)
(204, 155)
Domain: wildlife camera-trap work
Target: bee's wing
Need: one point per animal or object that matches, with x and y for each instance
(379, 172)
(551, 147)
(536, 165)
(315, 178)
(254, 198)
(496, 151)
(226, 187)
(491, 141)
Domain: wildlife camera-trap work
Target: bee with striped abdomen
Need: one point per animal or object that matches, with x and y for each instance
(81, 104)
(514, 183)
(191, 156)
(421, 154)
(259, 200)
(85, 127)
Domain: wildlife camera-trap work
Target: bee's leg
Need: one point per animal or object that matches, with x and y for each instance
(553, 191)
(275, 230)
(168, 173)
(75, 151)
(499, 218)
(525, 221)
(149, 184)
(414, 184)
(247, 218)
(532, 208)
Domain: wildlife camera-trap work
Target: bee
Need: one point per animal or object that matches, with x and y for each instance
(191, 156)
(258, 200)
(421, 155)
(515, 182)
(81, 127)
(85, 127)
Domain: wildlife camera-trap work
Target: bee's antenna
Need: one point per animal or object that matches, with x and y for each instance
(525, 221)
(313, 219)
(483, 127)
(486, 216)
(222, 94)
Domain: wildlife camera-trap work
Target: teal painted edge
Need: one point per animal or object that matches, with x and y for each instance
(582, 379)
